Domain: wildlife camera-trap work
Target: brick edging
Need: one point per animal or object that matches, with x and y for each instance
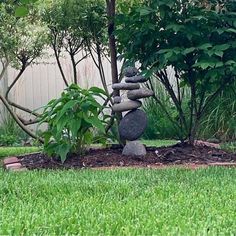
(13, 164)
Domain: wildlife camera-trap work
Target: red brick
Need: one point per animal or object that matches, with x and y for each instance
(13, 166)
(10, 160)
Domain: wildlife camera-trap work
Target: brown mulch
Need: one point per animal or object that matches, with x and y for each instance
(156, 157)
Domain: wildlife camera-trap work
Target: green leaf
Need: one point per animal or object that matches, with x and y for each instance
(219, 53)
(222, 47)
(189, 50)
(63, 150)
(97, 90)
(68, 106)
(145, 11)
(231, 30)
(75, 126)
(230, 62)
(205, 46)
(21, 11)
(219, 64)
(94, 121)
(168, 55)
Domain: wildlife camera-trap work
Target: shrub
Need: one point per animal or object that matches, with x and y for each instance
(72, 120)
(159, 127)
(10, 133)
(219, 121)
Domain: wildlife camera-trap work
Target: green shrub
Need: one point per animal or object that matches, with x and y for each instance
(220, 120)
(8, 140)
(159, 127)
(72, 120)
(10, 133)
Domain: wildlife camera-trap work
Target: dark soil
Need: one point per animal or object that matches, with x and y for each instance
(112, 157)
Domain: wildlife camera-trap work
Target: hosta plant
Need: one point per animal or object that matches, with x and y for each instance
(72, 120)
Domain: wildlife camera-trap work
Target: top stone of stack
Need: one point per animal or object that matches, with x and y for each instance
(130, 71)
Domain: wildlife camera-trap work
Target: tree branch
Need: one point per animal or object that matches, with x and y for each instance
(18, 121)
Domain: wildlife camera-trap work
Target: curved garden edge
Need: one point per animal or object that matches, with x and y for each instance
(17, 166)
(201, 155)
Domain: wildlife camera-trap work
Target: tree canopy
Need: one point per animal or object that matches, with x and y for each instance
(197, 39)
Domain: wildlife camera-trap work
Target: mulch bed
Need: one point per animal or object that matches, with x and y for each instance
(112, 157)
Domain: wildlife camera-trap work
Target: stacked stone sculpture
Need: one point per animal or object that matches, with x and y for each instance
(134, 123)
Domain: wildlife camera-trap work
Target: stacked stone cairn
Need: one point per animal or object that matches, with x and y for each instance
(134, 123)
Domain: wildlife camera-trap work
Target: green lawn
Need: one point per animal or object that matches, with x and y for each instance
(159, 143)
(119, 202)
(14, 151)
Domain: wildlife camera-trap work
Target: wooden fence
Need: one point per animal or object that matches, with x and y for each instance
(42, 82)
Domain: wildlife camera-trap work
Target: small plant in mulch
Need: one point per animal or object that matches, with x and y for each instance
(73, 120)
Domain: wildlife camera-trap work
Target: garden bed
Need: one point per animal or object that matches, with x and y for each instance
(112, 157)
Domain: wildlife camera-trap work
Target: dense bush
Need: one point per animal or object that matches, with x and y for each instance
(72, 120)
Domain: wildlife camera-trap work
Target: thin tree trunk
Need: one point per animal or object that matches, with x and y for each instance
(111, 11)
(60, 66)
(15, 80)
(4, 68)
(74, 68)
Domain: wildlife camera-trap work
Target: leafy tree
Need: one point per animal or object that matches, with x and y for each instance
(22, 42)
(196, 39)
(77, 27)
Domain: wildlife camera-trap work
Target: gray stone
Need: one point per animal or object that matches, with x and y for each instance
(139, 93)
(134, 148)
(126, 106)
(117, 99)
(125, 86)
(136, 79)
(130, 71)
(133, 125)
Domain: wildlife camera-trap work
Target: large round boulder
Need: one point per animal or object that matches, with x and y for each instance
(133, 125)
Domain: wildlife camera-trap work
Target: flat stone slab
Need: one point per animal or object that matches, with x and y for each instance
(139, 93)
(133, 125)
(125, 86)
(10, 160)
(134, 148)
(126, 106)
(130, 71)
(117, 99)
(136, 79)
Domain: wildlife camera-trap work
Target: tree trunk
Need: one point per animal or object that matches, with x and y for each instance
(111, 11)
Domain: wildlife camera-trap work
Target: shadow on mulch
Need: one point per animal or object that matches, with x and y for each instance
(179, 154)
